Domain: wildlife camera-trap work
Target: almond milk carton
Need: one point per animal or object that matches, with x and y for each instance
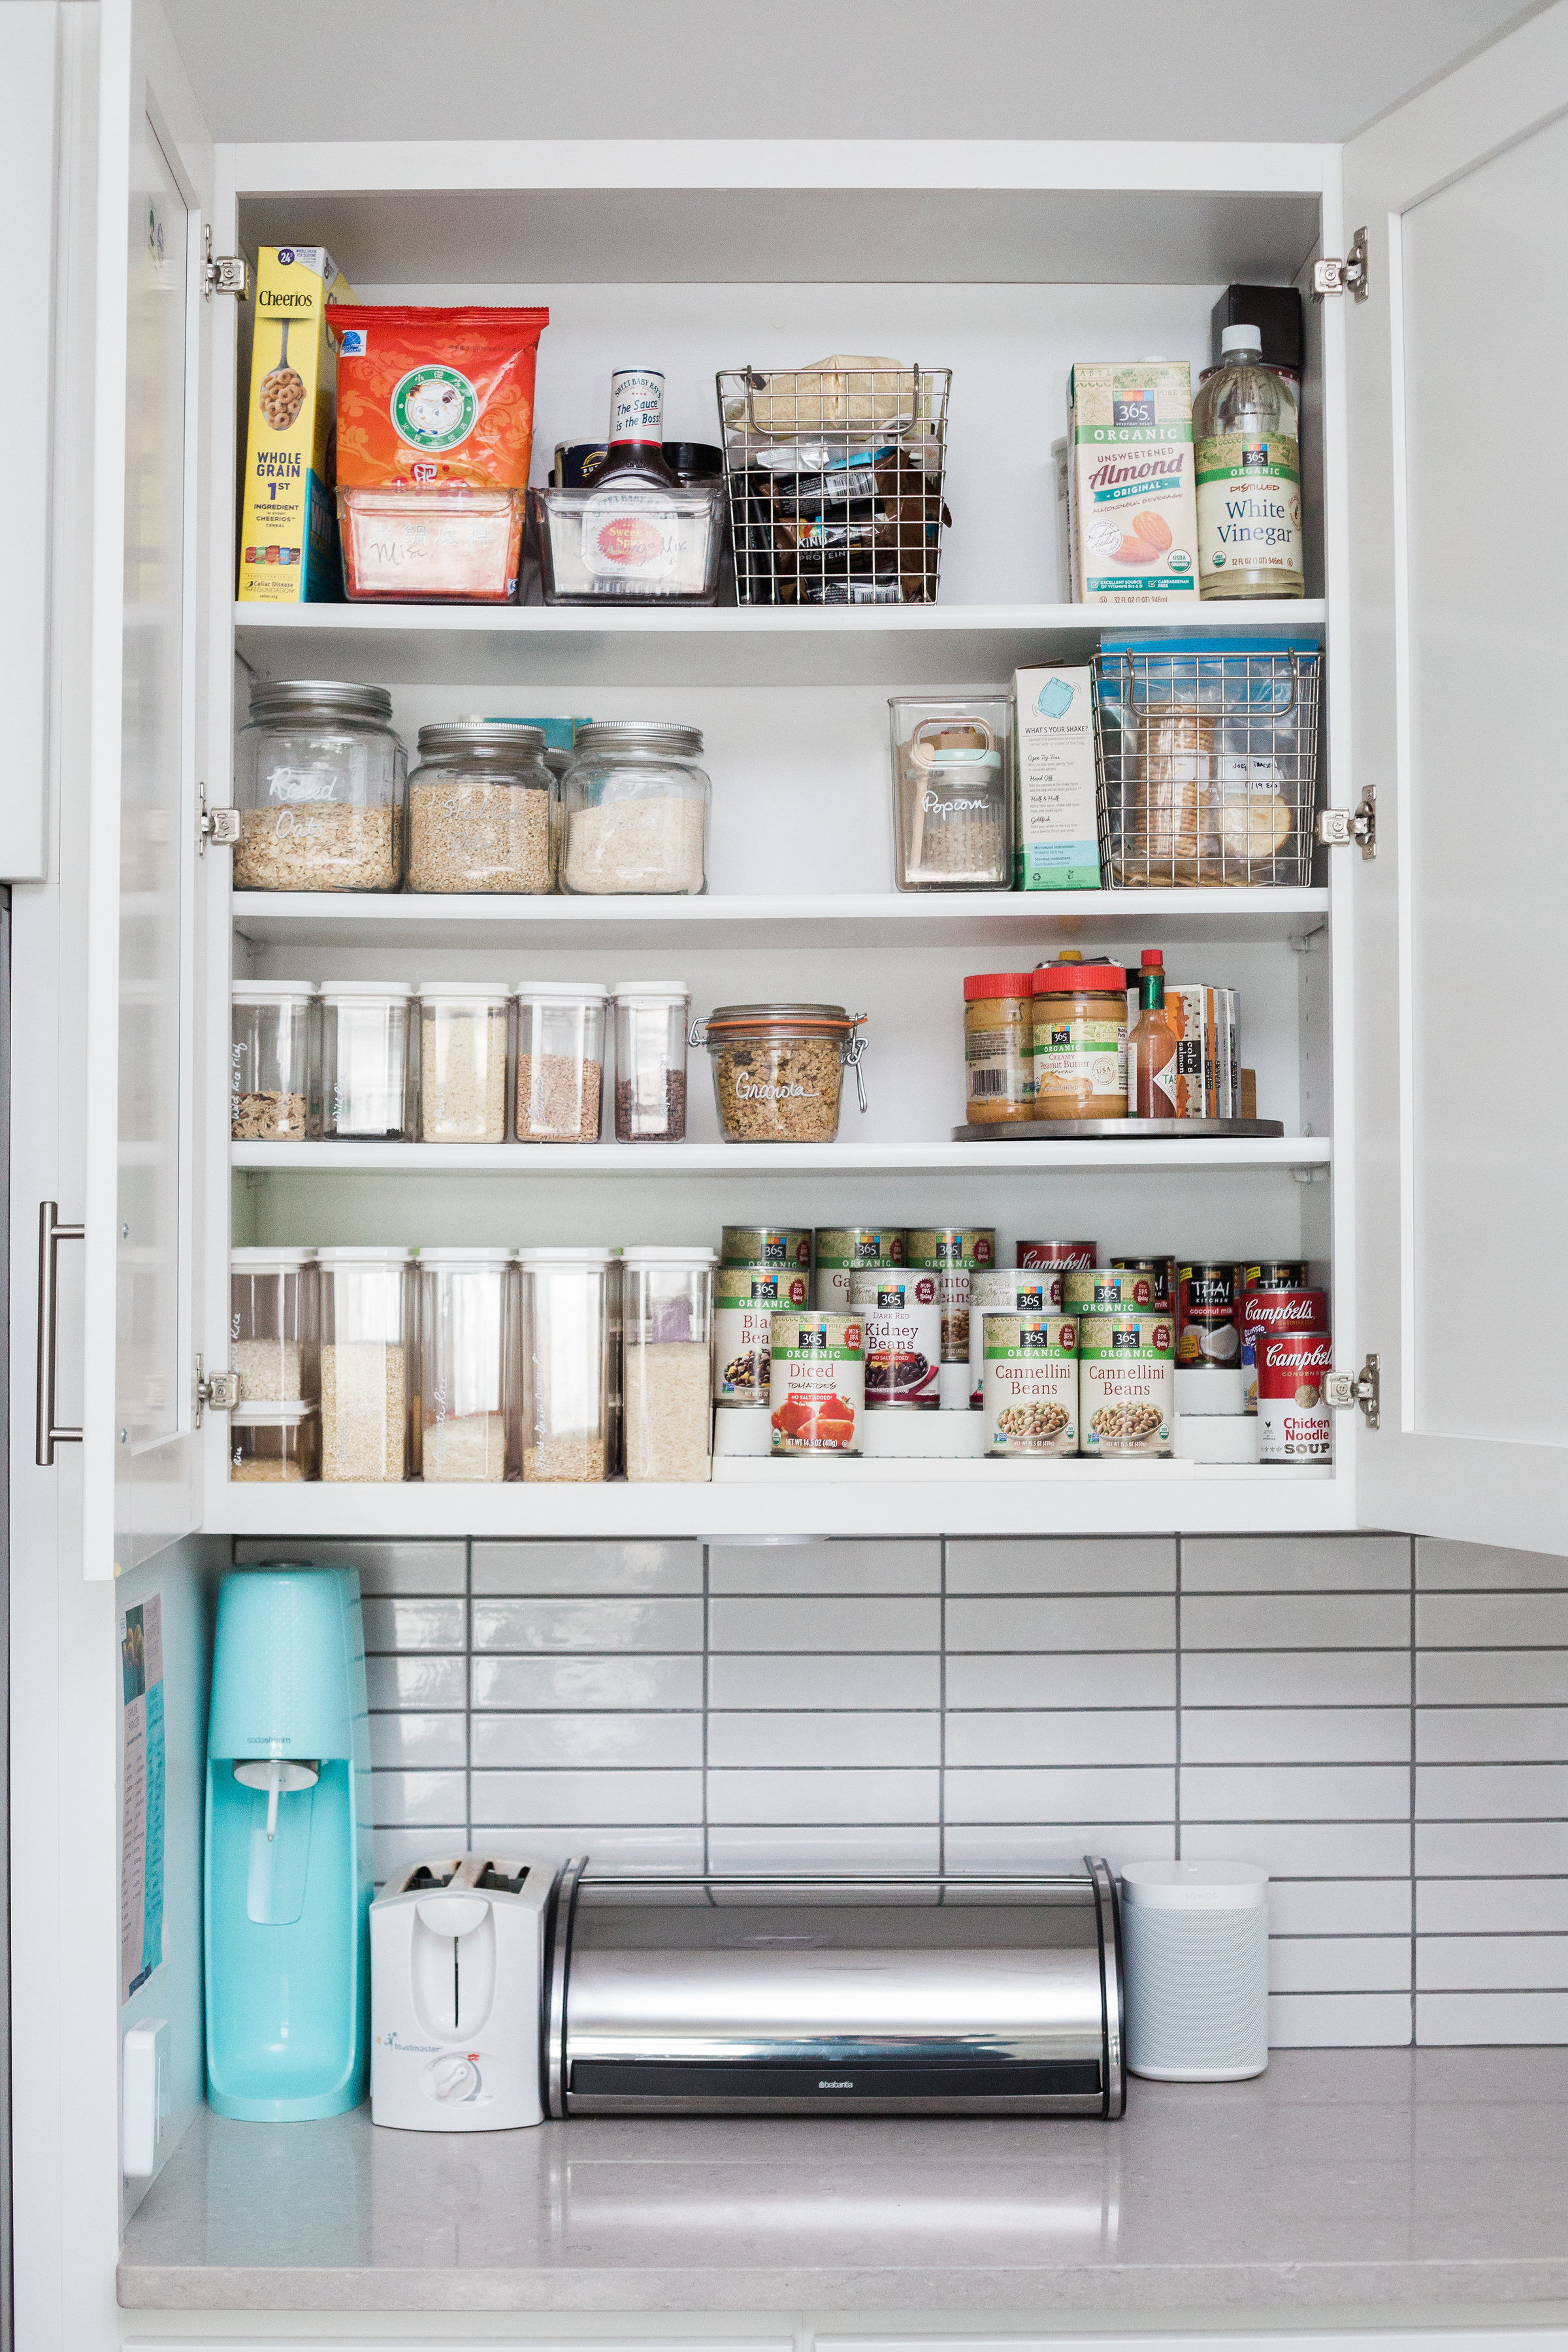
(1133, 522)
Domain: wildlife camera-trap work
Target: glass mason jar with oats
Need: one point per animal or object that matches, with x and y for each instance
(778, 1069)
(317, 781)
(482, 809)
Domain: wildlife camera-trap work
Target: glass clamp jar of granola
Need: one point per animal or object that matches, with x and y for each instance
(318, 780)
(565, 1328)
(367, 1346)
(666, 1319)
(274, 1344)
(462, 1062)
(272, 1094)
(634, 811)
(652, 1017)
(274, 1445)
(482, 809)
(778, 1069)
(370, 1061)
(465, 1411)
(560, 1060)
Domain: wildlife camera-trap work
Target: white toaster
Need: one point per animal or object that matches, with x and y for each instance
(457, 1962)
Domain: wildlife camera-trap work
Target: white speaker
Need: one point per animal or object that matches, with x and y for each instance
(1194, 1944)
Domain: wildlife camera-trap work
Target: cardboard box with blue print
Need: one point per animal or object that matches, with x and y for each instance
(289, 539)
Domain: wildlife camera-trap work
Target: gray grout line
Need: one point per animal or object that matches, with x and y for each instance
(1177, 1824)
(942, 1716)
(707, 1681)
(1414, 1881)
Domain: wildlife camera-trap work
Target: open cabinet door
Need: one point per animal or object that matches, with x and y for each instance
(1456, 359)
(155, 327)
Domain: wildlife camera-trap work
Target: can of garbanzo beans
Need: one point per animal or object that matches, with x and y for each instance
(817, 1382)
(843, 1250)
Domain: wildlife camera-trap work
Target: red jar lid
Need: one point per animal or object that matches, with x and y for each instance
(996, 983)
(1079, 979)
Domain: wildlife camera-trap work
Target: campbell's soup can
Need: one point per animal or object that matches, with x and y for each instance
(817, 1382)
(1005, 1290)
(1294, 1424)
(788, 1245)
(901, 1311)
(1126, 1383)
(745, 1299)
(1162, 1277)
(843, 1250)
(1208, 1316)
(1267, 1312)
(1031, 1384)
(1061, 1254)
(1108, 1290)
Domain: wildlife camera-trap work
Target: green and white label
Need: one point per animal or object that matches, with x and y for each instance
(435, 408)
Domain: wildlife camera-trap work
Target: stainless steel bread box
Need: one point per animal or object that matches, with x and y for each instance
(865, 1997)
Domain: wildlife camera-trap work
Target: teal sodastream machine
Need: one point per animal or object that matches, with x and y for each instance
(288, 1858)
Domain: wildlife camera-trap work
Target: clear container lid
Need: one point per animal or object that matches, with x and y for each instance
(659, 1254)
(269, 1261)
(352, 992)
(639, 735)
(514, 735)
(372, 1254)
(271, 1416)
(328, 697)
(655, 992)
(459, 991)
(567, 1257)
(274, 992)
(485, 1253)
(562, 991)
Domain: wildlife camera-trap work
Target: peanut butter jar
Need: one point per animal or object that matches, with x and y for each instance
(1079, 1039)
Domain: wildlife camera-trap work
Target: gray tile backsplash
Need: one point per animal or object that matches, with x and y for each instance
(1382, 1722)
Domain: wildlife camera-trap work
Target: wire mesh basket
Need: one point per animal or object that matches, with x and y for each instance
(835, 477)
(1207, 764)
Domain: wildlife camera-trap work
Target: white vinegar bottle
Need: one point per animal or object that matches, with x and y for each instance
(1247, 459)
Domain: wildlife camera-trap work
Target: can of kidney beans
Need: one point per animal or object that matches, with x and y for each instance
(1267, 1314)
(1160, 1275)
(1294, 1424)
(817, 1382)
(1208, 1316)
(1060, 1254)
(902, 1315)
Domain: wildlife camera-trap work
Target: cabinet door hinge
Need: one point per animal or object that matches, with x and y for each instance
(220, 1389)
(1342, 1389)
(1339, 828)
(218, 826)
(223, 273)
(1334, 275)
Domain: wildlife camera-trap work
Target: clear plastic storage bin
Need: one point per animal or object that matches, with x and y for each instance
(666, 1324)
(317, 781)
(466, 1409)
(560, 1060)
(952, 790)
(278, 1444)
(369, 1061)
(368, 1335)
(462, 1062)
(630, 542)
(482, 809)
(652, 1018)
(565, 1302)
(272, 1092)
(275, 1325)
(634, 811)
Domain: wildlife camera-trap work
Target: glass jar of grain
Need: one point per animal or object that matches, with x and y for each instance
(666, 1319)
(634, 811)
(271, 1093)
(560, 1060)
(275, 1325)
(482, 809)
(318, 780)
(367, 1335)
(370, 1068)
(462, 1062)
(466, 1410)
(778, 1069)
(564, 1319)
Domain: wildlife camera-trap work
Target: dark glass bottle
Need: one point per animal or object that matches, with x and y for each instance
(637, 430)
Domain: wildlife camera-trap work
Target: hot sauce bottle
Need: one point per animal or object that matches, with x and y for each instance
(1152, 1046)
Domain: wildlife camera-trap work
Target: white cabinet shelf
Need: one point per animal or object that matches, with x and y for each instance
(552, 1161)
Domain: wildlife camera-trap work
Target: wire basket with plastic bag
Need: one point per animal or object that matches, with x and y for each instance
(1206, 748)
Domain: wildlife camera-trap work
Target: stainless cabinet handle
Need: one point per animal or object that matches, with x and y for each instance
(51, 1232)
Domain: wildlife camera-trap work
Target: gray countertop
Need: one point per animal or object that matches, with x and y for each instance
(1406, 2179)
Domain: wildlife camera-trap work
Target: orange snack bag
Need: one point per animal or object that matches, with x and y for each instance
(435, 398)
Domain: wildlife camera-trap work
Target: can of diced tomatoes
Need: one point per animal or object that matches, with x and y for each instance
(816, 1382)
(1271, 1313)
(1294, 1424)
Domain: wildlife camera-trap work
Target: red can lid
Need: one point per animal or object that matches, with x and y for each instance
(996, 983)
(1076, 979)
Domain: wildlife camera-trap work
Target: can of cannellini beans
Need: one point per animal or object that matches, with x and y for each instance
(1294, 1424)
(816, 1382)
(1004, 1290)
(1031, 1384)
(1126, 1383)
(745, 1299)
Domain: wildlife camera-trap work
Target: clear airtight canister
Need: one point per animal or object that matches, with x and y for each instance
(745, 1300)
(634, 811)
(482, 809)
(560, 1060)
(652, 1017)
(1004, 1290)
(367, 1346)
(317, 781)
(369, 1061)
(271, 1081)
(462, 1062)
(465, 1408)
(274, 1445)
(1127, 1366)
(565, 1301)
(667, 1337)
(1031, 1384)
(275, 1325)
(817, 1382)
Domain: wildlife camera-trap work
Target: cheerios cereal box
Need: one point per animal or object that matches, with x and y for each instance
(1133, 522)
(288, 524)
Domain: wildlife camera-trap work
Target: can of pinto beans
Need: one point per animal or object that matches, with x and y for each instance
(1294, 1424)
(953, 1255)
(816, 1382)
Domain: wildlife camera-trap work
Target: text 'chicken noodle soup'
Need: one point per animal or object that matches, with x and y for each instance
(817, 1384)
(1126, 1383)
(1031, 1384)
(1294, 1423)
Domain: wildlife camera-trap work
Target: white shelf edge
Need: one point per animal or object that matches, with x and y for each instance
(762, 620)
(712, 1159)
(860, 907)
